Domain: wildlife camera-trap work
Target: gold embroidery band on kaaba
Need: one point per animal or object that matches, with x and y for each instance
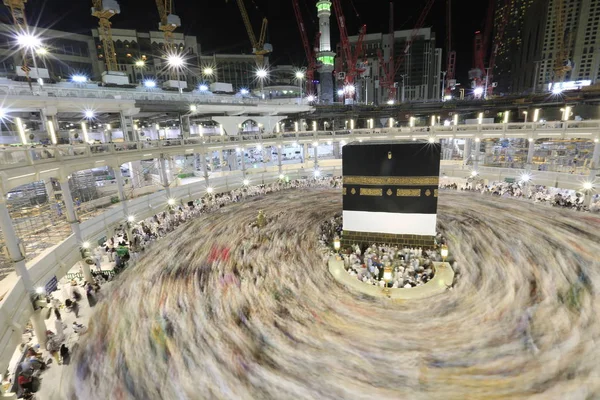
(371, 192)
(344, 191)
(392, 180)
(408, 192)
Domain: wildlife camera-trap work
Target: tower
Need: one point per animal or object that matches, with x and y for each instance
(325, 56)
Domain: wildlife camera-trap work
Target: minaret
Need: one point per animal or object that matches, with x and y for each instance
(325, 56)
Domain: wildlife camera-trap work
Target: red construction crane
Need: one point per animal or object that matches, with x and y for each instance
(311, 56)
(451, 54)
(390, 69)
(481, 76)
(351, 58)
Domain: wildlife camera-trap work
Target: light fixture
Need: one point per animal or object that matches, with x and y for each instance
(478, 91)
(209, 190)
(557, 90)
(79, 78)
(299, 75)
(175, 61)
(536, 115)
(86, 245)
(261, 73)
(281, 176)
(480, 118)
(171, 201)
(336, 243)
(244, 91)
(340, 92)
(317, 173)
(131, 218)
(431, 139)
(238, 150)
(455, 119)
(525, 177)
(390, 102)
(2, 113)
(39, 290)
(193, 108)
(42, 51)
(473, 173)
(315, 144)
(28, 40)
(149, 83)
(506, 116)
(208, 71)
(246, 182)
(530, 140)
(588, 185)
(349, 88)
(140, 63)
(310, 98)
(444, 252)
(85, 132)
(203, 88)
(258, 147)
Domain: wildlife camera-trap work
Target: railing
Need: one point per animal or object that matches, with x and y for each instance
(68, 90)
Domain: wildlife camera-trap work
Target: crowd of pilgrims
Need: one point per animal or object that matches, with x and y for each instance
(410, 266)
(143, 233)
(555, 197)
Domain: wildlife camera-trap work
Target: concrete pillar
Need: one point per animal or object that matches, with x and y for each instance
(336, 150)
(279, 159)
(135, 133)
(305, 152)
(594, 170)
(204, 168)
(18, 259)
(74, 221)
(244, 163)
(164, 177)
(121, 188)
(135, 173)
(50, 191)
(221, 159)
(316, 152)
(467, 152)
(12, 245)
(197, 163)
(184, 123)
(530, 152)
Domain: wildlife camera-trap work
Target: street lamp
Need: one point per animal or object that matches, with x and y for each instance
(262, 74)
(148, 83)
(336, 243)
(140, 63)
(299, 76)
(444, 252)
(208, 71)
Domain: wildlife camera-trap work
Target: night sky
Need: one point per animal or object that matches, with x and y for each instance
(219, 28)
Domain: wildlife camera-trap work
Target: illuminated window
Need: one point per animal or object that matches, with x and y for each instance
(128, 54)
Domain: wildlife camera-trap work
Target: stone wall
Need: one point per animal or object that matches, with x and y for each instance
(368, 238)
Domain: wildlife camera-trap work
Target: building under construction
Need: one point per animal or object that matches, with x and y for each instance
(418, 79)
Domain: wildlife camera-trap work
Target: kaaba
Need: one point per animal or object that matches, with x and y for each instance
(390, 193)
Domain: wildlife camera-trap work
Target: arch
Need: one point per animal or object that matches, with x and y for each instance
(250, 127)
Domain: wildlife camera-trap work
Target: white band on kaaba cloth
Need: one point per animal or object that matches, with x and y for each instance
(383, 222)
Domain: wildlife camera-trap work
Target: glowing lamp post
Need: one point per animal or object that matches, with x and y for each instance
(444, 252)
(387, 277)
(337, 244)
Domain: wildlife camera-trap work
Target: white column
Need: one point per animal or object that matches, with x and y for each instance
(467, 151)
(279, 159)
(121, 188)
(135, 168)
(164, 176)
(594, 169)
(530, 153)
(74, 221)
(18, 259)
(204, 167)
(316, 151)
(221, 159)
(50, 191)
(305, 152)
(244, 163)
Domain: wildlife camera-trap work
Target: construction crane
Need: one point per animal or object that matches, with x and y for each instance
(390, 69)
(351, 58)
(168, 23)
(104, 10)
(310, 52)
(562, 63)
(259, 47)
(451, 54)
(482, 77)
(17, 10)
